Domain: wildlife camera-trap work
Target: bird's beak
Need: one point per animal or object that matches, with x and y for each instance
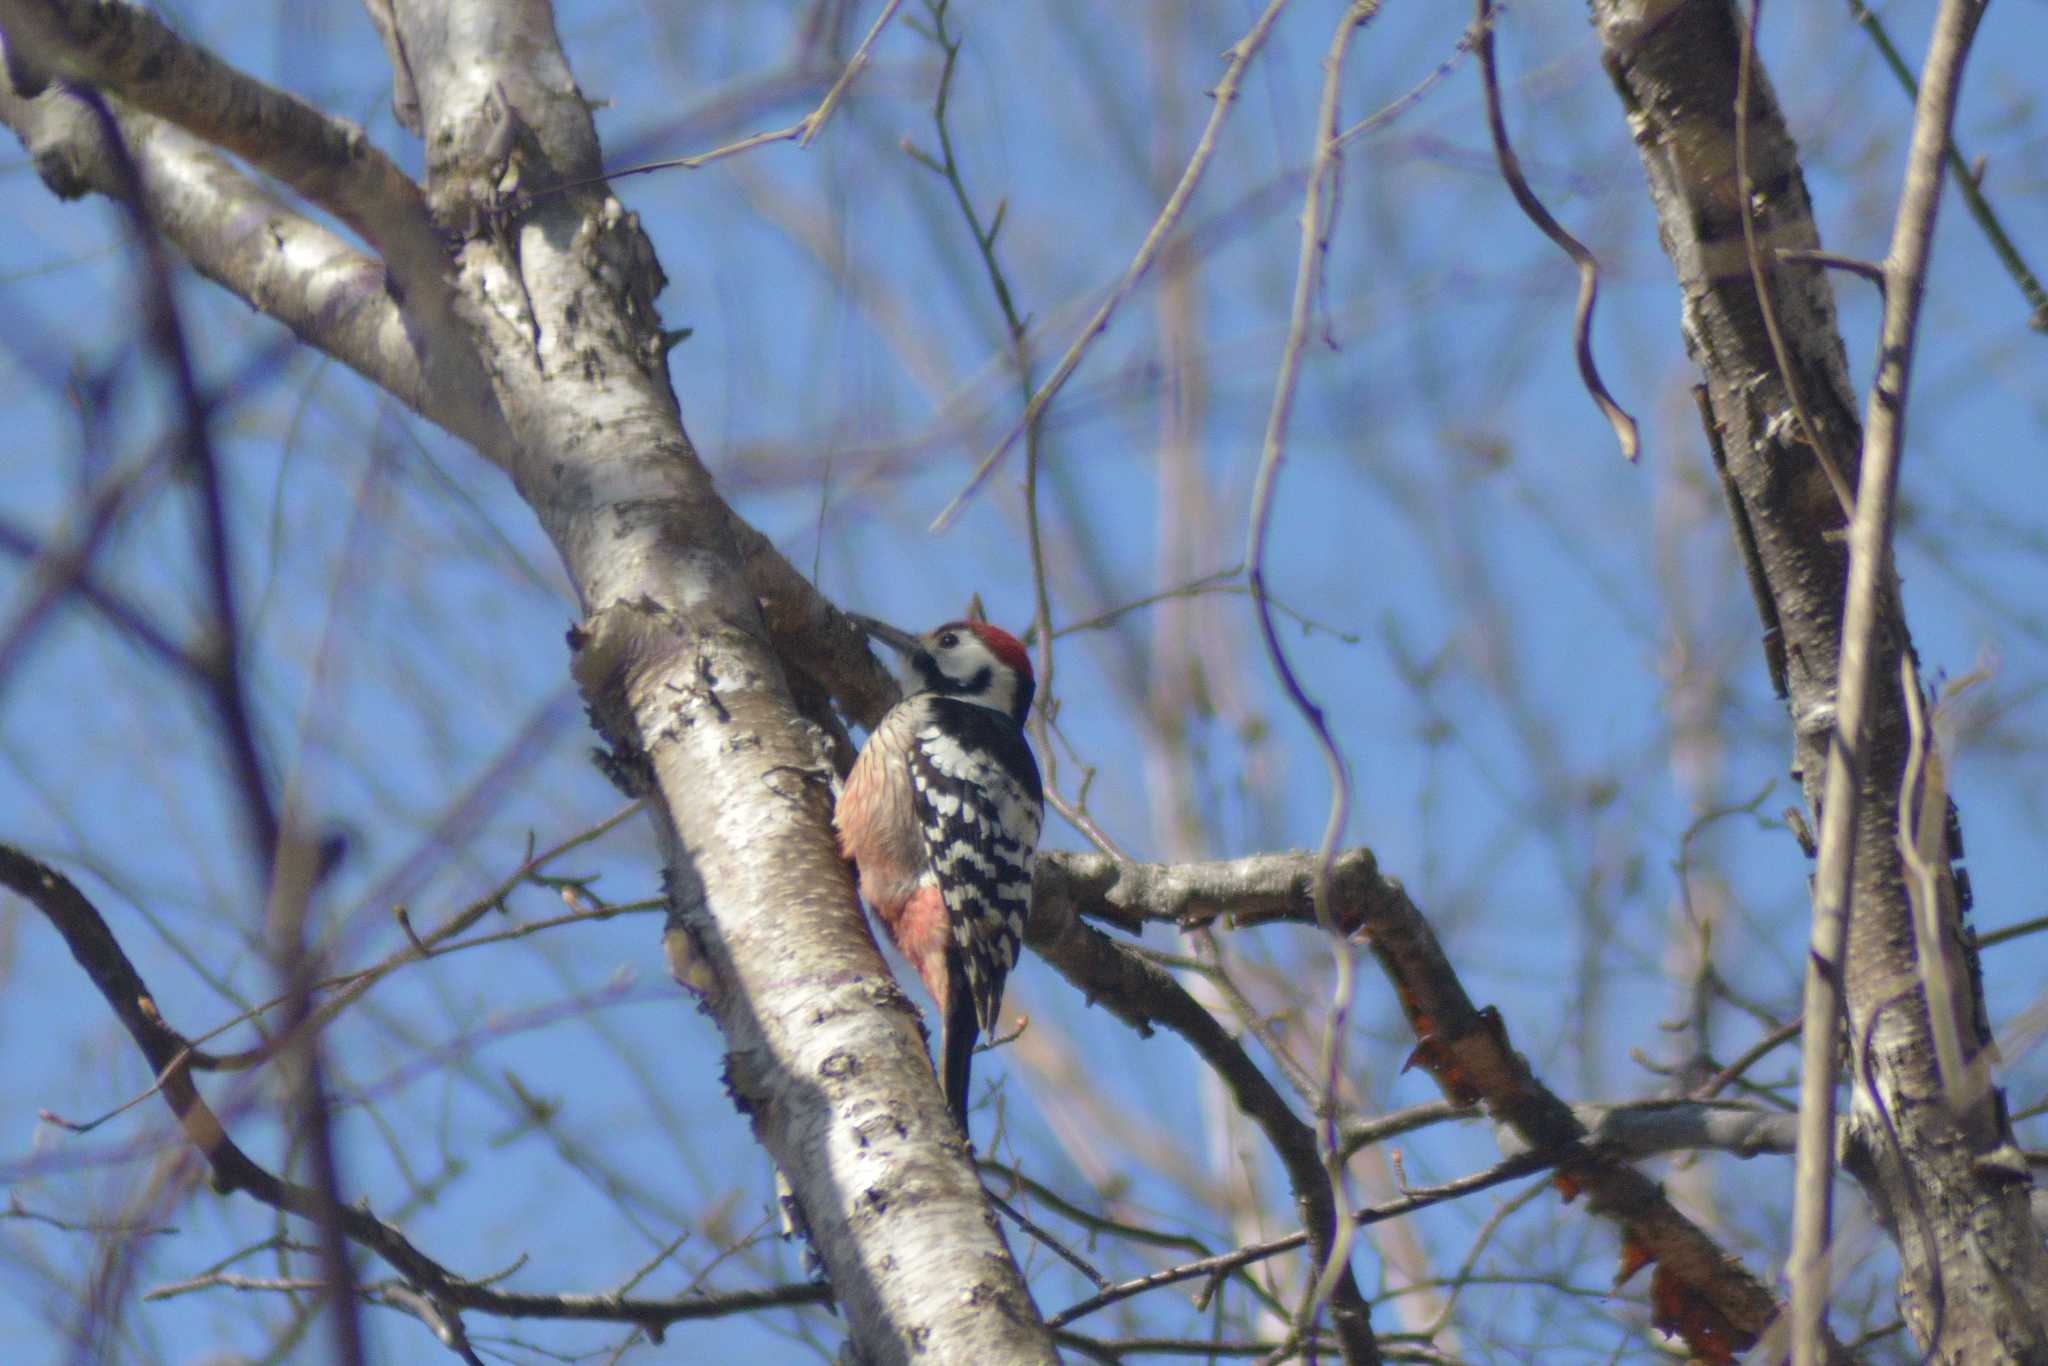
(901, 641)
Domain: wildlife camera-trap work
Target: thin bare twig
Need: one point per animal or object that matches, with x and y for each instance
(1589, 267)
(801, 132)
(1522, 1164)
(1048, 1242)
(2004, 933)
(1240, 54)
(1750, 1057)
(93, 945)
(305, 1109)
(351, 985)
(1401, 104)
(234, 715)
(1217, 582)
(123, 1228)
(55, 570)
(947, 166)
(1966, 180)
(1872, 271)
(1463, 1277)
(1318, 214)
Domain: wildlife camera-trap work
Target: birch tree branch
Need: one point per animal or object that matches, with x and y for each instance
(125, 51)
(1700, 1291)
(243, 236)
(239, 234)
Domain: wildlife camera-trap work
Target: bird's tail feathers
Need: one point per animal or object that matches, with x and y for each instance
(961, 1033)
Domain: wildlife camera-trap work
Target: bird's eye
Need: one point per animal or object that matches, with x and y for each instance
(949, 640)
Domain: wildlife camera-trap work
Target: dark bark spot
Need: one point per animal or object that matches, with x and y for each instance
(732, 1090)
(887, 1125)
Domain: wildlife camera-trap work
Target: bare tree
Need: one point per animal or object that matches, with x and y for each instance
(1323, 302)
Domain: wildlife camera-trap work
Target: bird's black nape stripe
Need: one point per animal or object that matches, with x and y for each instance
(975, 685)
(937, 680)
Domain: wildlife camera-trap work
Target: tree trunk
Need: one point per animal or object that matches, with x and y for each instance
(1942, 1179)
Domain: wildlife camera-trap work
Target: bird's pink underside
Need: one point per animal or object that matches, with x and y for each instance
(891, 858)
(922, 933)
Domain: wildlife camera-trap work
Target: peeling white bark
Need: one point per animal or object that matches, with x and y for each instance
(824, 1054)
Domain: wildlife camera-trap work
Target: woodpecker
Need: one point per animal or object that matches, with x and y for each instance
(941, 815)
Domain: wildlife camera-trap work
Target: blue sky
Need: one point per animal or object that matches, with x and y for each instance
(1453, 509)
